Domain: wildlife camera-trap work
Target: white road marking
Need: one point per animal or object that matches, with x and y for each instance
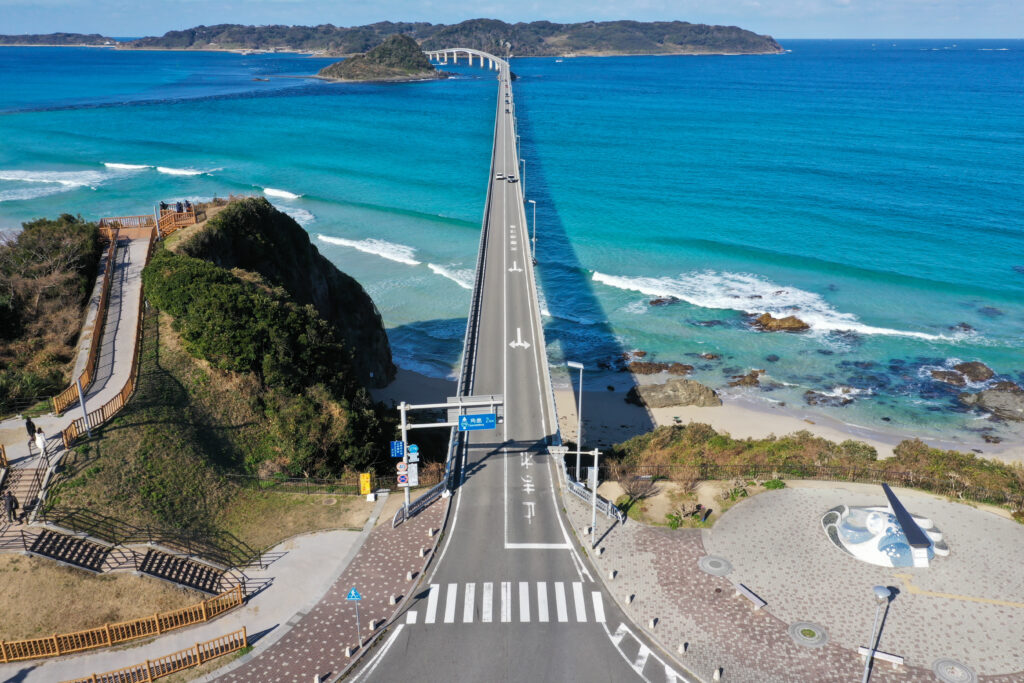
(380, 655)
(449, 603)
(563, 613)
(486, 607)
(524, 602)
(467, 609)
(535, 546)
(506, 601)
(641, 659)
(620, 633)
(581, 604)
(410, 617)
(542, 602)
(598, 607)
(431, 605)
(670, 674)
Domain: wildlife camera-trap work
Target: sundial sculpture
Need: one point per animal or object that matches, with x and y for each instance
(887, 536)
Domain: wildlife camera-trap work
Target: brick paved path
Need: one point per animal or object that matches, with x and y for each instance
(316, 643)
(659, 567)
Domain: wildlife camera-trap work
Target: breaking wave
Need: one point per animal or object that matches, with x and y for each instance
(33, 184)
(126, 167)
(180, 171)
(389, 250)
(463, 278)
(301, 216)
(283, 194)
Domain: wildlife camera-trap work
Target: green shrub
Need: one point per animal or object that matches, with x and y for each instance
(775, 484)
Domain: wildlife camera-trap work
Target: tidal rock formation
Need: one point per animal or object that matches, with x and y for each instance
(748, 380)
(816, 398)
(646, 368)
(769, 323)
(680, 369)
(1006, 403)
(675, 392)
(398, 58)
(663, 301)
(710, 356)
(975, 371)
(949, 377)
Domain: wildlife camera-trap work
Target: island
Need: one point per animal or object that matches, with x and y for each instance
(58, 40)
(533, 39)
(398, 58)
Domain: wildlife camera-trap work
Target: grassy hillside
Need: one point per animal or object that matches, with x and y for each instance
(63, 39)
(397, 58)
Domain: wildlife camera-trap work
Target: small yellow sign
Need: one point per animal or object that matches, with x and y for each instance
(364, 484)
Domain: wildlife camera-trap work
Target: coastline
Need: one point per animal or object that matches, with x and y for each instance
(609, 420)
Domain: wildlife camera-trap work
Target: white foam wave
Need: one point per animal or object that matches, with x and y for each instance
(463, 278)
(301, 216)
(389, 250)
(752, 294)
(34, 184)
(126, 167)
(283, 194)
(179, 171)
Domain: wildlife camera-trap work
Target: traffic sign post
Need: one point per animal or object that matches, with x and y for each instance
(397, 449)
(354, 596)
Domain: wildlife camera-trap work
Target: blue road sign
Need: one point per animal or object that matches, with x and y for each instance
(469, 423)
(397, 449)
(354, 594)
(413, 449)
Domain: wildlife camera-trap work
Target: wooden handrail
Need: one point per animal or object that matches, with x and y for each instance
(3, 456)
(152, 669)
(112, 634)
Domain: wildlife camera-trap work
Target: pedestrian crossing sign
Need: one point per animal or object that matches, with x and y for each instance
(353, 594)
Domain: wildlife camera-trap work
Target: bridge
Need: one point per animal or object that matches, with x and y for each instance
(485, 59)
(510, 595)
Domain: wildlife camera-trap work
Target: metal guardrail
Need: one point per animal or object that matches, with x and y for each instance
(607, 508)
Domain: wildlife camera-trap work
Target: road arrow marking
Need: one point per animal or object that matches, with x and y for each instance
(519, 343)
(515, 268)
(530, 514)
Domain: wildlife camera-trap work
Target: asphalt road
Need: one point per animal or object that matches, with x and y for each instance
(510, 597)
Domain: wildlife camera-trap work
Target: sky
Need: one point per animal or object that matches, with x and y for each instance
(779, 18)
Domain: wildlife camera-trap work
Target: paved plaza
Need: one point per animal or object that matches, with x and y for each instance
(966, 610)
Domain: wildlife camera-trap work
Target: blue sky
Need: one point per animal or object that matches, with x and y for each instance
(780, 18)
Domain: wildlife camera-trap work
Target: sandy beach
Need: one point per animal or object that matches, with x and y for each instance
(609, 420)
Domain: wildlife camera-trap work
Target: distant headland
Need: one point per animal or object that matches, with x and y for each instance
(398, 58)
(58, 40)
(534, 39)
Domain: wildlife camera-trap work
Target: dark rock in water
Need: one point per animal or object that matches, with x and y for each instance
(1019, 269)
(990, 311)
(772, 358)
(816, 398)
(1007, 404)
(636, 354)
(748, 380)
(731, 370)
(705, 356)
(708, 323)
(848, 336)
(949, 377)
(962, 327)
(991, 438)
(832, 288)
(769, 323)
(645, 368)
(675, 392)
(680, 369)
(864, 364)
(604, 365)
(611, 388)
(886, 419)
(663, 301)
(826, 352)
(1006, 386)
(755, 296)
(975, 371)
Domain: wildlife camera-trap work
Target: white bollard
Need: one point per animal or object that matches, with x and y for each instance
(652, 623)
(683, 647)
(612, 574)
(349, 651)
(629, 598)
(393, 600)
(316, 678)
(717, 675)
(423, 552)
(600, 551)
(431, 532)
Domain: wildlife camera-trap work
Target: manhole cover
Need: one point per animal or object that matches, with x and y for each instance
(716, 566)
(330, 501)
(807, 634)
(952, 671)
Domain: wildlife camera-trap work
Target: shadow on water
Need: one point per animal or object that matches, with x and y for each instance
(576, 327)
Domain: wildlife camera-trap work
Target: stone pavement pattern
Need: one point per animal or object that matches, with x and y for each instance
(777, 548)
(659, 567)
(316, 643)
(311, 561)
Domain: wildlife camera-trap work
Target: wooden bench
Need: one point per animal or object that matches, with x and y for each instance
(895, 660)
(750, 595)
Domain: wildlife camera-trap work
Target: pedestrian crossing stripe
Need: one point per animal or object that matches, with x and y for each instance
(523, 602)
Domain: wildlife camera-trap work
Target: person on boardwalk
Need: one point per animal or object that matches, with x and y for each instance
(30, 427)
(41, 441)
(10, 505)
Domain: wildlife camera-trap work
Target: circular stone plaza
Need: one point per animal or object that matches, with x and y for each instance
(960, 619)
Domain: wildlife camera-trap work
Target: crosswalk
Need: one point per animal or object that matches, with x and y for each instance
(506, 602)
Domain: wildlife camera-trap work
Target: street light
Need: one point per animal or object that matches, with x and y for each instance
(882, 596)
(522, 176)
(579, 415)
(534, 252)
(593, 504)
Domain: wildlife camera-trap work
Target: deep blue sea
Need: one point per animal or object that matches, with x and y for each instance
(875, 189)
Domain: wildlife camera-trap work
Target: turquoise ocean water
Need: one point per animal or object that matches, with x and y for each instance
(873, 188)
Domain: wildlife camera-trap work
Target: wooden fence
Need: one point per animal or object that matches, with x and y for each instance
(171, 220)
(70, 395)
(152, 669)
(100, 415)
(112, 634)
(109, 226)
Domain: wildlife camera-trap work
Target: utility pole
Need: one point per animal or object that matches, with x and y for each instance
(593, 506)
(405, 452)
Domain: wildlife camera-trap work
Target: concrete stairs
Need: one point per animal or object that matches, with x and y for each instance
(73, 550)
(24, 483)
(182, 570)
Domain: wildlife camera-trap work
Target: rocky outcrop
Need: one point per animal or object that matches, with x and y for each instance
(1006, 402)
(975, 371)
(398, 58)
(663, 301)
(675, 392)
(816, 398)
(252, 235)
(680, 369)
(639, 367)
(748, 380)
(710, 356)
(766, 322)
(949, 377)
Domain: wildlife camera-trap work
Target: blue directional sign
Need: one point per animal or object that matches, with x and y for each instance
(470, 423)
(397, 449)
(413, 449)
(354, 594)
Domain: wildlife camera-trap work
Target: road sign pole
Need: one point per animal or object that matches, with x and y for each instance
(405, 451)
(593, 516)
(359, 629)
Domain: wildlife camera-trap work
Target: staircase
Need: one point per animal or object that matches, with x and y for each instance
(24, 483)
(182, 570)
(73, 550)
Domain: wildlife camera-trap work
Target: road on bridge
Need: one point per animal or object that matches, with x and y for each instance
(509, 597)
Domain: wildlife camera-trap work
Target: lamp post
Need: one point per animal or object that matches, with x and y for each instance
(579, 415)
(518, 145)
(534, 252)
(593, 504)
(882, 596)
(522, 176)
